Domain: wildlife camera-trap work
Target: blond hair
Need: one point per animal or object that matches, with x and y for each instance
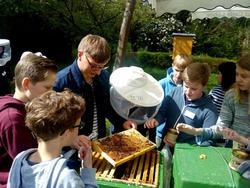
(182, 61)
(96, 46)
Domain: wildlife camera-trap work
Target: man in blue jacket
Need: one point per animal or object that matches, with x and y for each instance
(87, 77)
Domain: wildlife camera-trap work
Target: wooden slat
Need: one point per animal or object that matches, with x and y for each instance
(106, 170)
(111, 173)
(102, 168)
(152, 168)
(145, 170)
(98, 162)
(132, 174)
(157, 169)
(127, 170)
(139, 171)
(95, 158)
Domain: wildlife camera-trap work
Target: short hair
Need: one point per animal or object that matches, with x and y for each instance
(96, 46)
(182, 61)
(228, 73)
(34, 67)
(197, 72)
(53, 112)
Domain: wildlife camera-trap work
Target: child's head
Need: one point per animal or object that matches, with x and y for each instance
(227, 73)
(243, 73)
(179, 64)
(195, 78)
(34, 75)
(96, 47)
(51, 114)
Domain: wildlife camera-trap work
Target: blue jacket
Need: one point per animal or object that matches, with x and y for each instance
(167, 85)
(71, 77)
(199, 113)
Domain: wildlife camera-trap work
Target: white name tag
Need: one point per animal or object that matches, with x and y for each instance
(189, 114)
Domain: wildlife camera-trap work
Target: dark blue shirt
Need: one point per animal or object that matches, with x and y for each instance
(71, 77)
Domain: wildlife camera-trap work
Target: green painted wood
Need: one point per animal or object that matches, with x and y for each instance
(190, 171)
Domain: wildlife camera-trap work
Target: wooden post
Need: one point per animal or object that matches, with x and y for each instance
(182, 44)
(123, 37)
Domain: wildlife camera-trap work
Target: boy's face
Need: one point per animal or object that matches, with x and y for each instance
(243, 79)
(177, 74)
(192, 90)
(89, 66)
(37, 89)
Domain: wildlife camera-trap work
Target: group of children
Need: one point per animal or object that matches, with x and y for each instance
(46, 121)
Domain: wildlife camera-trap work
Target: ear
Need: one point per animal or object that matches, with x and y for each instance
(25, 83)
(80, 55)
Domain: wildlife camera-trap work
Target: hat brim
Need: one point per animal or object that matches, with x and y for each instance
(148, 94)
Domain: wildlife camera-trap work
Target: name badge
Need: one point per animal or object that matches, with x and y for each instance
(189, 114)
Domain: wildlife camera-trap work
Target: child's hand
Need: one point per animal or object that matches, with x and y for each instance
(151, 123)
(85, 154)
(81, 140)
(188, 129)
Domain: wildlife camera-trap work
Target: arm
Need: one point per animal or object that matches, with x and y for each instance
(17, 137)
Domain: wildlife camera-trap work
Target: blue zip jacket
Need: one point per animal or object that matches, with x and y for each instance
(200, 113)
(167, 85)
(71, 77)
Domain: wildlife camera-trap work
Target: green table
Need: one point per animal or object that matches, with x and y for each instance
(190, 171)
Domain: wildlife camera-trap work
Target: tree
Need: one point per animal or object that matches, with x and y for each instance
(123, 37)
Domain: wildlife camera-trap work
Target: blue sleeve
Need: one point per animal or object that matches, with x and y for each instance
(88, 177)
(209, 130)
(162, 113)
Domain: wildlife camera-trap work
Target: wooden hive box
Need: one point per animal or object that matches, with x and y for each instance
(144, 171)
(182, 44)
(123, 146)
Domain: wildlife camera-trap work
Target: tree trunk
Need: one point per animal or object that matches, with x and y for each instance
(123, 37)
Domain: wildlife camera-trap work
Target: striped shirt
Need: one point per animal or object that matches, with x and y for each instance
(95, 121)
(217, 94)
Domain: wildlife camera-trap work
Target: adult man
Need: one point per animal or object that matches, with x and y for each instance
(87, 77)
(34, 75)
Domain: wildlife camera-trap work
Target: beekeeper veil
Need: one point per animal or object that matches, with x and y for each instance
(5, 51)
(134, 94)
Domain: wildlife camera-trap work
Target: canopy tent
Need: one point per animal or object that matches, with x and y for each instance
(220, 12)
(174, 6)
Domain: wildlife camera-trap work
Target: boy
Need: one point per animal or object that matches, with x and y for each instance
(186, 104)
(34, 75)
(54, 119)
(172, 80)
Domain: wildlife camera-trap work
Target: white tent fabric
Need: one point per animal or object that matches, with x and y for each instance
(174, 6)
(220, 12)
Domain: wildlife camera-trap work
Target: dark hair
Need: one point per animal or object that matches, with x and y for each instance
(53, 112)
(228, 72)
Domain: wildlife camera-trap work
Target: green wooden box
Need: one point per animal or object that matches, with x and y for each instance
(205, 167)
